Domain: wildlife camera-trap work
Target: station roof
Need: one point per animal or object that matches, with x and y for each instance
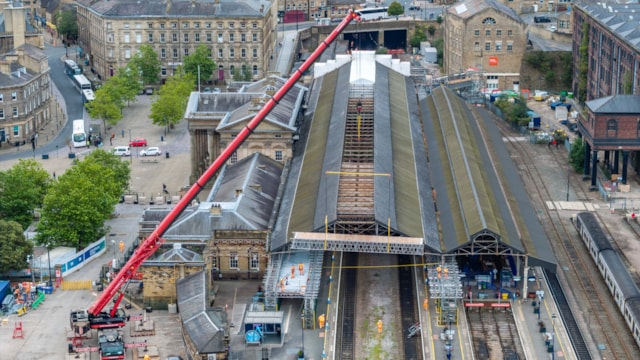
(402, 200)
(479, 192)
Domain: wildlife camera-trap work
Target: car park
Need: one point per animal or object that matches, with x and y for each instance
(121, 151)
(138, 142)
(151, 151)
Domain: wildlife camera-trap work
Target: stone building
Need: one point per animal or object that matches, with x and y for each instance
(216, 118)
(227, 232)
(613, 54)
(25, 86)
(16, 28)
(239, 34)
(314, 9)
(486, 35)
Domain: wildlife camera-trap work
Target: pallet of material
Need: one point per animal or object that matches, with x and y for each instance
(142, 328)
(152, 351)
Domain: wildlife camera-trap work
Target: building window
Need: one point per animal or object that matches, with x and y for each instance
(220, 53)
(197, 37)
(196, 25)
(243, 37)
(208, 37)
(1, 97)
(254, 25)
(110, 53)
(233, 260)
(110, 37)
(214, 262)
(185, 25)
(278, 155)
(150, 25)
(255, 264)
(231, 25)
(509, 32)
(487, 33)
(138, 26)
(138, 38)
(174, 25)
(232, 37)
(220, 38)
(637, 129)
(150, 37)
(163, 71)
(163, 53)
(612, 128)
(489, 21)
(186, 52)
(14, 96)
(210, 53)
(254, 37)
(161, 25)
(232, 53)
(15, 111)
(126, 37)
(162, 37)
(127, 53)
(220, 25)
(1, 113)
(487, 46)
(175, 37)
(243, 25)
(498, 33)
(476, 46)
(498, 45)
(186, 37)
(243, 53)
(476, 32)
(126, 25)
(509, 46)
(255, 53)
(207, 25)
(16, 130)
(175, 53)
(234, 157)
(255, 70)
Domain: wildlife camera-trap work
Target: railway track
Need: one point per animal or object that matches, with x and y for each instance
(408, 301)
(584, 279)
(347, 314)
(495, 334)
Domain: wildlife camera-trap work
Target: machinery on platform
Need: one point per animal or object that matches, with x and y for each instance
(83, 321)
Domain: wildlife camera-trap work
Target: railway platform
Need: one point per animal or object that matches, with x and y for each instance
(540, 328)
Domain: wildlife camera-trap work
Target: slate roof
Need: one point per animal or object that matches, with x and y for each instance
(615, 104)
(204, 325)
(620, 19)
(470, 8)
(19, 75)
(178, 8)
(246, 192)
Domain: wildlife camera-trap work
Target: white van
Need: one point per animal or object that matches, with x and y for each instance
(121, 151)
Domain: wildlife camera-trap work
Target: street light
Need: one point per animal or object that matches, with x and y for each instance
(49, 258)
(113, 242)
(31, 262)
(553, 335)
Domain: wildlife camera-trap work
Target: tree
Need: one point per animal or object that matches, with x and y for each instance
(14, 247)
(201, 57)
(576, 155)
(146, 60)
(106, 106)
(418, 37)
(395, 9)
(439, 45)
(243, 74)
(171, 102)
(67, 24)
(22, 189)
(126, 83)
(583, 66)
(77, 205)
(431, 30)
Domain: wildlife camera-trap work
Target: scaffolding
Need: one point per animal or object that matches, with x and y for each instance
(445, 287)
(271, 282)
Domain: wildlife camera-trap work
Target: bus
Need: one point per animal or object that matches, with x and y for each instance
(79, 137)
(88, 96)
(81, 82)
(378, 13)
(71, 68)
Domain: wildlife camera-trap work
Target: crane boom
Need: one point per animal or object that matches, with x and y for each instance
(153, 242)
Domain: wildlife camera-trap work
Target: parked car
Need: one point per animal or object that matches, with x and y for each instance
(148, 91)
(151, 151)
(206, 90)
(137, 142)
(121, 151)
(216, 90)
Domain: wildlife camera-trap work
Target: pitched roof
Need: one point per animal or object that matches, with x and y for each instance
(469, 8)
(178, 8)
(615, 104)
(620, 19)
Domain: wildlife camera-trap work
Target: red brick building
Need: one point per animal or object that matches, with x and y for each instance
(612, 125)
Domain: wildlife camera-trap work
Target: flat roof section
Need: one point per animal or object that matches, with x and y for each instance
(358, 243)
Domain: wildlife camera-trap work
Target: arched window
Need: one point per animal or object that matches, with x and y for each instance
(612, 128)
(489, 21)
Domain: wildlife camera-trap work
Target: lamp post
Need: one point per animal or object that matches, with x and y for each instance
(568, 174)
(31, 262)
(49, 258)
(113, 243)
(553, 335)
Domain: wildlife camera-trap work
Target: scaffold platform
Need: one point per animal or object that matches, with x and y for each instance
(358, 243)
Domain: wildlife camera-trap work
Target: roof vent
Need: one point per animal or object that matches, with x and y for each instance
(238, 192)
(256, 187)
(177, 246)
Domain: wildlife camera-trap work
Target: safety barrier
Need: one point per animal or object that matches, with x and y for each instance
(77, 285)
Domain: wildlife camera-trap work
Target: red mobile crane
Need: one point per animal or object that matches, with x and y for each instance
(95, 318)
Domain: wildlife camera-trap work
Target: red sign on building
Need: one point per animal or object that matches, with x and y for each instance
(493, 61)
